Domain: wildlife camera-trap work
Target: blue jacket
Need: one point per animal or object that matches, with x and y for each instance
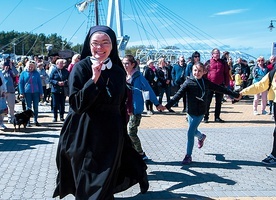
(178, 74)
(9, 80)
(56, 76)
(30, 82)
(139, 84)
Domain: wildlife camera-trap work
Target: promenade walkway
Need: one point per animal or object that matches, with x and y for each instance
(227, 167)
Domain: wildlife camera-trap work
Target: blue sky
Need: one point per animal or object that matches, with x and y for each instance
(229, 25)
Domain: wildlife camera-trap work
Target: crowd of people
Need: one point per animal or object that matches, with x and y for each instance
(36, 80)
(99, 151)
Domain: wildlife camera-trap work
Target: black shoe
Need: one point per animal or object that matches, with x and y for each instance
(54, 120)
(37, 124)
(144, 184)
(219, 120)
(29, 125)
(234, 101)
(206, 121)
(175, 105)
(62, 119)
(184, 112)
(171, 110)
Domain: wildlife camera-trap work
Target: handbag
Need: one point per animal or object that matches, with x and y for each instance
(145, 94)
(3, 106)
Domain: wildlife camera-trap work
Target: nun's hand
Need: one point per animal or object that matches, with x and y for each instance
(96, 69)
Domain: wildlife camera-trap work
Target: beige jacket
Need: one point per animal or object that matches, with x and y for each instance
(262, 86)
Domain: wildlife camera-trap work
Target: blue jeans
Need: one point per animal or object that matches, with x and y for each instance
(33, 98)
(58, 104)
(193, 132)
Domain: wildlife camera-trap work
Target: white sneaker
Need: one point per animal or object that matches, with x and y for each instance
(3, 126)
(255, 112)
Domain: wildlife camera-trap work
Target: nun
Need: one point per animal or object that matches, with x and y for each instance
(95, 158)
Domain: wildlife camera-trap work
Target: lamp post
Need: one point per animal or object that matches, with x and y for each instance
(271, 27)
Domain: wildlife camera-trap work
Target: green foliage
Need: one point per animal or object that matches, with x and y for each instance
(31, 44)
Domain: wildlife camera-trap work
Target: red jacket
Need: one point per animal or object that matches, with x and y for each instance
(218, 72)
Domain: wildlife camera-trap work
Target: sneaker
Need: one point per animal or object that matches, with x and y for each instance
(219, 120)
(3, 126)
(269, 160)
(187, 160)
(255, 112)
(29, 125)
(206, 121)
(183, 112)
(201, 141)
(143, 156)
(264, 112)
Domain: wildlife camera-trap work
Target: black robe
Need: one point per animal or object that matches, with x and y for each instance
(95, 158)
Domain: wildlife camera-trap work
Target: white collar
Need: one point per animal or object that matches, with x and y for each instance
(106, 64)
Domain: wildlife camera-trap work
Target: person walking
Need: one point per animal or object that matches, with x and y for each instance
(95, 157)
(59, 80)
(259, 71)
(138, 85)
(256, 88)
(30, 88)
(3, 90)
(196, 88)
(178, 78)
(218, 73)
(163, 81)
(9, 77)
(150, 75)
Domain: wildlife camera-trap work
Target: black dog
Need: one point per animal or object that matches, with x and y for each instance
(22, 118)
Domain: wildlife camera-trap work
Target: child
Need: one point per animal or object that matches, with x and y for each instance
(238, 80)
(196, 88)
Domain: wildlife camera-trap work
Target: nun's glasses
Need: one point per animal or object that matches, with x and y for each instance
(97, 44)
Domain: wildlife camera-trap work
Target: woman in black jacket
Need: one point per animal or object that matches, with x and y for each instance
(196, 88)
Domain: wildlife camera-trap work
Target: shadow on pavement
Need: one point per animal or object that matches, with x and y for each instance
(20, 144)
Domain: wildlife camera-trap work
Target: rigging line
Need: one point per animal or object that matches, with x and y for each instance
(103, 16)
(134, 14)
(164, 13)
(195, 28)
(51, 19)
(67, 21)
(146, 19)
(135, 11)
(167, 29)
(153, 28)
(40, 25)
(10, 13)
(32, 45)
(154, 24)
(75, 32)
(188, 33)
(141, 26)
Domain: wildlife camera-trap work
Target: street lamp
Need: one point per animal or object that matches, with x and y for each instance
(271, 25)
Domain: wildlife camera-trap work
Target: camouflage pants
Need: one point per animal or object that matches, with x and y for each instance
(132, 127)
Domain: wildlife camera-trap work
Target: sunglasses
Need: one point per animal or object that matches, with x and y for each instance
(32, 62)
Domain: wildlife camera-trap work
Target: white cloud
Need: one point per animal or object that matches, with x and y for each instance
(230, 12)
